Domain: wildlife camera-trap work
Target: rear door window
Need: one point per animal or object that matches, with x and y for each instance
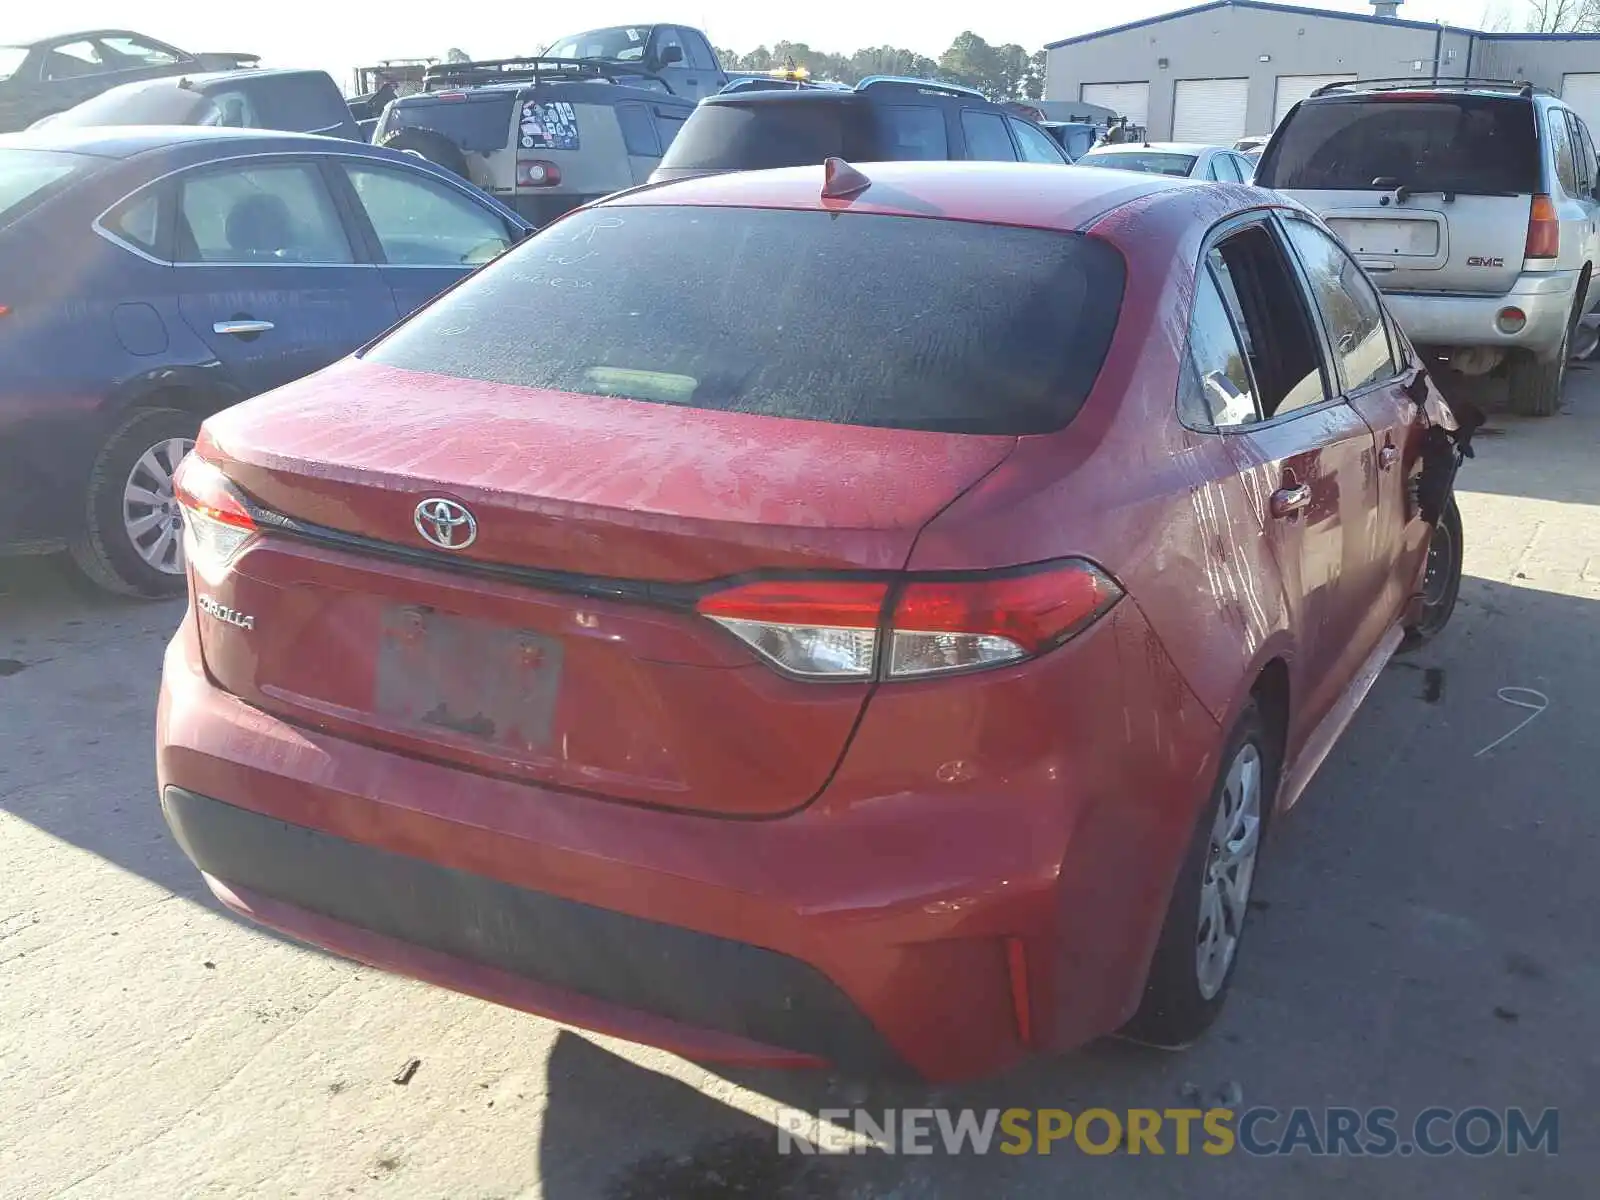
(987, 139)
(1473, 145)
(1036, 145)
(913, 132)
(280, 215)
(1260, 288)
(700, 55)
(1217, 391)
(978, 329)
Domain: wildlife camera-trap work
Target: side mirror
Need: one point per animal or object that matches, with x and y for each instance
(670, 55)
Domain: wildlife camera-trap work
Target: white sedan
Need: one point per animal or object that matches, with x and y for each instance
(1185, 159)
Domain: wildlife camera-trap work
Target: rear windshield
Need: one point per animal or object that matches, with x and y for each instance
(481, 122)
(977, 329)
(25, 174)
(1471, 144)
(1151, 163)
(754, 137)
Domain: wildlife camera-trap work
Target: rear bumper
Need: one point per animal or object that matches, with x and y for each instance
(881, 928)
(540, 208)
(1447, 319)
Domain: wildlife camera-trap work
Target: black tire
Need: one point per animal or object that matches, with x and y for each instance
(1442, 583)
(1536, 383)
(434, 147)
(1175, 1009)
(104, 551)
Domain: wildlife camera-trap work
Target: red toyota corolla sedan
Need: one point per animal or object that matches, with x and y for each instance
(820, 616)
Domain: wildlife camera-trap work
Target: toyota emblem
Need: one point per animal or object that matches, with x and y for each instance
(446, 524)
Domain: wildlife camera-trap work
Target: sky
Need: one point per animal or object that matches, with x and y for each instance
(336, 36)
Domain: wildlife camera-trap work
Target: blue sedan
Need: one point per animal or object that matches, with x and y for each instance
(150, 277)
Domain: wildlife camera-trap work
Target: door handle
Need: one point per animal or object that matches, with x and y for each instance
(242, 328)
(1290, 500)
(1388, 456)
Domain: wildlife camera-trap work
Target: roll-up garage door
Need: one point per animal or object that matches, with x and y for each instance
(1294, 88)
(1210, 110)
(1131, 100)
(1582, 91)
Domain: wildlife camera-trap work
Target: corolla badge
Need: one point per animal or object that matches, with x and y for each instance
(446, 524)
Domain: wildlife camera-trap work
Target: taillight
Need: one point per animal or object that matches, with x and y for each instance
(839, 628)
(216, 518)
(1544, 229)
(535, 172)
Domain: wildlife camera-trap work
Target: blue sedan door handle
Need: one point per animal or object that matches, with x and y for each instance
(241, 328)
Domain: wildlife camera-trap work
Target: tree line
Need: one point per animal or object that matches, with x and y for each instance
(1000, 72)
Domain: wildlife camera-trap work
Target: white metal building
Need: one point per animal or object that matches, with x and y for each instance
(1231, 68)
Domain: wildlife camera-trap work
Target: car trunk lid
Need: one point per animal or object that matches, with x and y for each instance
(558, 646)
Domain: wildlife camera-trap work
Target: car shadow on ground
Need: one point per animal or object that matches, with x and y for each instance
(79, 673)
(1414, 943)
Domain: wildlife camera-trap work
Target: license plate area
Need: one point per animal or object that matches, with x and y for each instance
(1393, 237)
(463, 680)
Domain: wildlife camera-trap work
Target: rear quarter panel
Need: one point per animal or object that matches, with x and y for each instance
(1159, 506)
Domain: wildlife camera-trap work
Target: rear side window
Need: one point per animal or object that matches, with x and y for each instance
(638, 130)
(1466, 144)
(25, 174)
(667, 126)
(472, 123)
(913, 132)
(979, 329)
(760, 135)
(1037, 146)
(987, 139)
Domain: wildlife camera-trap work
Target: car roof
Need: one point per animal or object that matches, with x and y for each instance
(202, 81)
(124, 141)
(61, 38)
(1040, 195)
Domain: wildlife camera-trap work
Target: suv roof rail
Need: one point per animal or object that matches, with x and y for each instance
(930, 85)
(534, 67)
(1412, 83)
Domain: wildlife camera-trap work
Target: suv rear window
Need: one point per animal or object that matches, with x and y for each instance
(1424, 141)
(758, 136)
(476, 122)
(979, 329)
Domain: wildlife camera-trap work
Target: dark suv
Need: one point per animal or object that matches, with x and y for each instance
(542, 135)
(881, 119)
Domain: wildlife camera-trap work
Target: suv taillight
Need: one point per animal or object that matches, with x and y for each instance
(1544, 229)
(536, 172)
(216, 518)
(851, 629)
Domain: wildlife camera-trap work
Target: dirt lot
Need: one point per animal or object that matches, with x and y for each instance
(1426, 934)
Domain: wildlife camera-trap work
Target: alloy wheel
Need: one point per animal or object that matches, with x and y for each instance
(1229, 870)
(150, 514)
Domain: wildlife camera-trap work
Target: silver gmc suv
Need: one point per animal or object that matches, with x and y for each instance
(1472, 204)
